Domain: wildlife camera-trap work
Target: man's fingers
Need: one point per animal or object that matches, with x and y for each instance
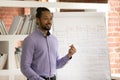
(72, 48)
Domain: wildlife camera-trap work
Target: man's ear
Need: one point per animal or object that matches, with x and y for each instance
(37, 21)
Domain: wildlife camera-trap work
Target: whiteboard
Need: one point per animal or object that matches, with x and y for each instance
(88, 32)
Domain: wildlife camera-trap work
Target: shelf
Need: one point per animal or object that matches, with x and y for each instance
(11, 37)
(61, 5)
(4, 72)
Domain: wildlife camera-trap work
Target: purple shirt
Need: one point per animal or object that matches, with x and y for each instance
(40, 56)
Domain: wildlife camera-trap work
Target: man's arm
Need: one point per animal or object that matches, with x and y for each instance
(61, 62)
(26, 60)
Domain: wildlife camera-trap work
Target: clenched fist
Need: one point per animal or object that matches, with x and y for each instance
(71, 51)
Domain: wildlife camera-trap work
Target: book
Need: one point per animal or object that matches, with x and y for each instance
(26, 24)
(18, 30)
(15, 24)
(34, 26)
(3, 60)
(3, 30)
(3, 53)
(18, 51)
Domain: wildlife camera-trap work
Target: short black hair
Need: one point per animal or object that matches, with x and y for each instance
(40, 10)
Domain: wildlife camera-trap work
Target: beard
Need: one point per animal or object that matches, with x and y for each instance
(46, 27)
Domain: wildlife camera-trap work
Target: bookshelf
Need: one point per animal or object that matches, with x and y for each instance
(13, 73)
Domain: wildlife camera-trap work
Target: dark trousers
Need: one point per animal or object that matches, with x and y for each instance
(52, 78)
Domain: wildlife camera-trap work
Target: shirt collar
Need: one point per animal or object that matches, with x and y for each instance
(48, 33)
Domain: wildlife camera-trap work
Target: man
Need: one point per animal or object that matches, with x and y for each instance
(39, 59)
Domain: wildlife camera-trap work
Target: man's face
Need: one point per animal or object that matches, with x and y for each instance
(45, 20)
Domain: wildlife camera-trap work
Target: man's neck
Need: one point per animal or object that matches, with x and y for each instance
(45, 32)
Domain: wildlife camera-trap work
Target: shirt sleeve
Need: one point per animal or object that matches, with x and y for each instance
(62, 61)
(26, 60)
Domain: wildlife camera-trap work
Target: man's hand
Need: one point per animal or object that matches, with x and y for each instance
(71, 51)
